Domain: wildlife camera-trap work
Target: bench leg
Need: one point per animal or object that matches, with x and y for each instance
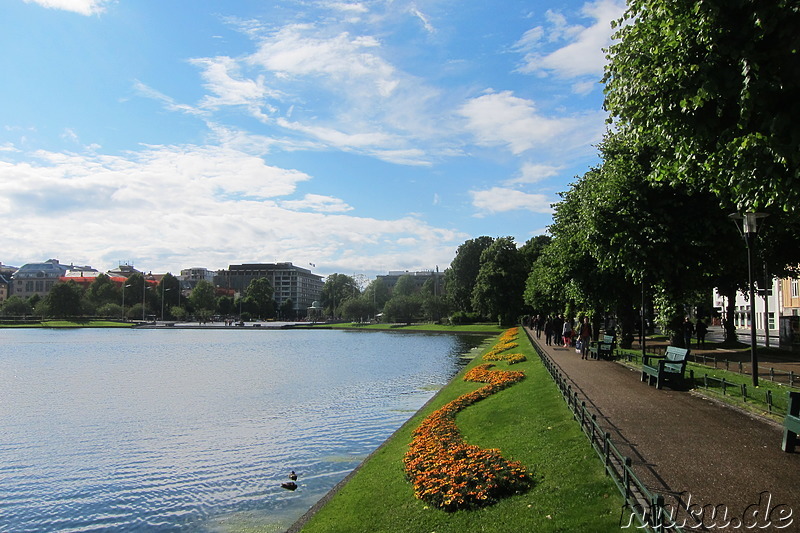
(644, 377)
(789, 440)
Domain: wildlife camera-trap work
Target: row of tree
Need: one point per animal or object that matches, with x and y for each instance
(138, 298)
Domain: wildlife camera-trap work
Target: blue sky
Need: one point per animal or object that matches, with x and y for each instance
(358, 136)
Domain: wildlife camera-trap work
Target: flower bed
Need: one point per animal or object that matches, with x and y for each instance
(449, 473)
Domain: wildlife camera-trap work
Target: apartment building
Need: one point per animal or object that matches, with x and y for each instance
(288, 281)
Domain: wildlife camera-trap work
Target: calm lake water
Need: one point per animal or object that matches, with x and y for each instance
(186, 430)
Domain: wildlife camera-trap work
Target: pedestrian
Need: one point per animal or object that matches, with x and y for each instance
(548, 331)
(566, 332)
(537, 323)
(585, 336)
(701, 329)
(688, 332)
(558, 323)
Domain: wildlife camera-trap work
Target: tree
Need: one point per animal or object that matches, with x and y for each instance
(64, 299)
(337, 289)
(103, 291)
(202, 298)
(378, 293)
(260, 293)
(500, 282)
(168, 291)
(16, 306)
(287, 309)
(402, 308)
(714, 85)
(357, 309)
(405, 286)
(460, 277)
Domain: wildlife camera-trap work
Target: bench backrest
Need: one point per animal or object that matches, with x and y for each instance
(608, 339)
(675, 354)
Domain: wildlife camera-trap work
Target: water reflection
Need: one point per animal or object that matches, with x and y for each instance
(195, 430)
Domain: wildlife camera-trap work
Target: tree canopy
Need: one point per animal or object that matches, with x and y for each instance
(713, 84)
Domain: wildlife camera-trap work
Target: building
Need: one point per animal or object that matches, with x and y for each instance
(419, 277)
(782, 299)
(288, 281)
(190, 277)
(36, 278)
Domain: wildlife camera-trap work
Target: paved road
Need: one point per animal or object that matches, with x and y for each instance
(695, 451)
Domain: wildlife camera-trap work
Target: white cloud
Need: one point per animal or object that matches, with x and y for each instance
(502, 119)
(229, 88)
(318, 203)
(500, 199)
(83, 7)
(167, 207)
(582, 55)
(424, 19)
(534, 173)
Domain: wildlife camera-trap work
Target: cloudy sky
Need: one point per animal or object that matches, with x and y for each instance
(359, 137)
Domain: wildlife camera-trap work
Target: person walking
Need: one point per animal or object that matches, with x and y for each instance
(701, 329)
(548, 331)
(688, 332)
(585, 336)
(566, 332)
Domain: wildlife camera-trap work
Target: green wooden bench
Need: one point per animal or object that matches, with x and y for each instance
(791, 424)
(602, 348)
(665, 367)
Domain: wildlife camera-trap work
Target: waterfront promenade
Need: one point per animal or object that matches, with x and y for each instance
(720, 463)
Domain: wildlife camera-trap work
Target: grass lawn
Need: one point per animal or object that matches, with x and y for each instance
(72, 324)
(529, 422)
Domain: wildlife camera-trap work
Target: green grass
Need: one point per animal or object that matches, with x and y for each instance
(756, 401)
(71, 324)
(528, 422)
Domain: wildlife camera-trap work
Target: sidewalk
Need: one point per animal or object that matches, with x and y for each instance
(695, 451)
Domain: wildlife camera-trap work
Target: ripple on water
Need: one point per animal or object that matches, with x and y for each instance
(107, 430)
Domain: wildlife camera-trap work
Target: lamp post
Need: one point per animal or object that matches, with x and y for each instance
(749, 230)
(163, 290)
(144, 288)
(123, 301)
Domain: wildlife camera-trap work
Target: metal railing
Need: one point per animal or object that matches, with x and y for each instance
(648, 507)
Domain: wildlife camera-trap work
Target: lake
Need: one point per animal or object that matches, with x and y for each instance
(195, 430)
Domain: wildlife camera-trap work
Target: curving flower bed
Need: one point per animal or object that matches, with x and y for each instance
(449, 473)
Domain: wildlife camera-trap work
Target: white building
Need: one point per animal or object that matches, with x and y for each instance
(768, 310)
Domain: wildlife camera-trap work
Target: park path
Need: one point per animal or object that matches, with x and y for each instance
(693, 450)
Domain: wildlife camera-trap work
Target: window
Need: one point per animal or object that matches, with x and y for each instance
(795, 288)
(771, 320)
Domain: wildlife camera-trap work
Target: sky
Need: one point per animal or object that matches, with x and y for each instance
(351, 137)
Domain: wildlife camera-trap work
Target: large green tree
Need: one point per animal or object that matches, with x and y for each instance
(460, 277)
(260, 295)
(202, 298)
(713, 84)
(500, 282)
(64, 299)
(337, 289)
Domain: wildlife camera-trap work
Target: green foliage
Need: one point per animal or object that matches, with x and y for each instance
(110, 310)
(357, 309)
(500, 282)
(103, 291)
(714, 85)
(337, 289)
(461, 276)
(402, 308)
(64, 300)
(405, 286)
(202, 297)
(16, 306)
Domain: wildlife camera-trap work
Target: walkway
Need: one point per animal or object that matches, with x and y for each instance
(695, 451)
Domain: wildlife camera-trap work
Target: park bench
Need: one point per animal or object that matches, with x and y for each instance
(602, 348)
(665, 367)
(791, 424)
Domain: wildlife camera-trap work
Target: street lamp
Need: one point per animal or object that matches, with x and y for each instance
(749, 230)
(123, 301)
(144, 288)
(163, 290)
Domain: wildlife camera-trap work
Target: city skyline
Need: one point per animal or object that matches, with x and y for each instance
(354, 136)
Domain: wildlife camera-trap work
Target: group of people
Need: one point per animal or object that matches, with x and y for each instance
(562, 331)
(690, 329)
